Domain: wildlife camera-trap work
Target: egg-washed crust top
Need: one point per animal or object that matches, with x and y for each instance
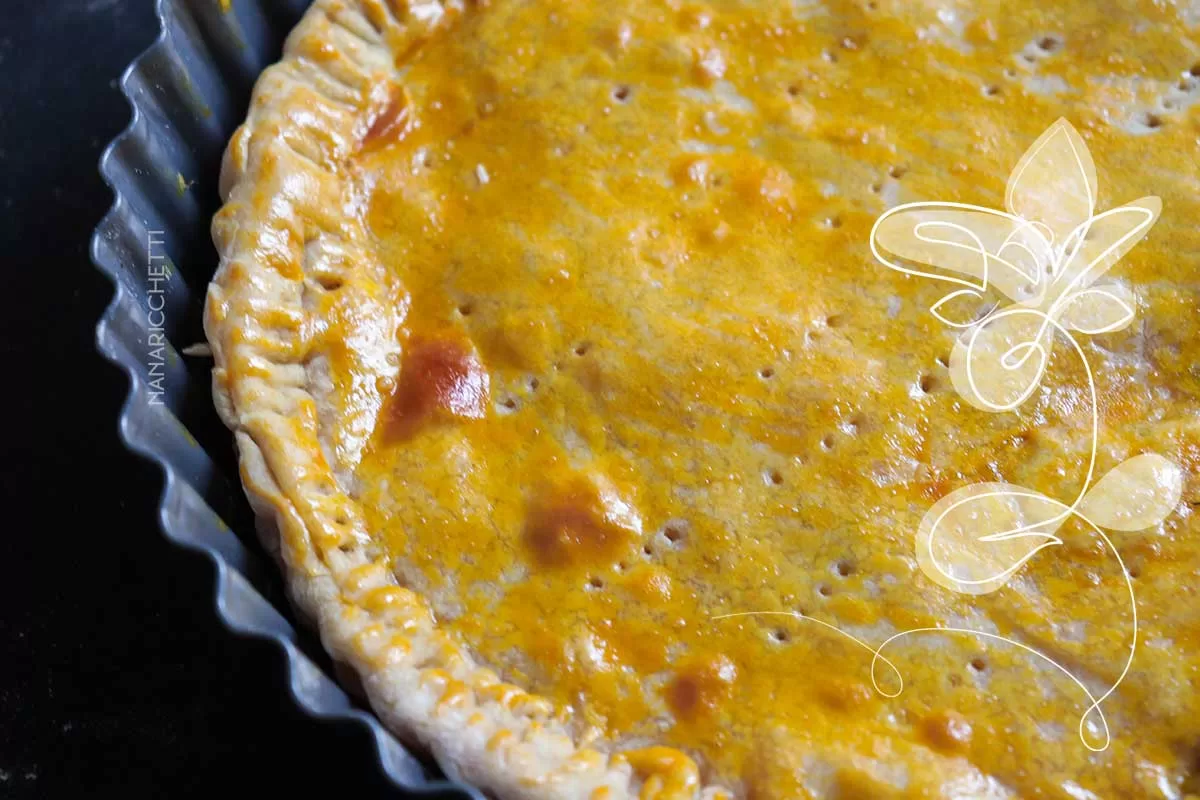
(285, 200)
(316, 340)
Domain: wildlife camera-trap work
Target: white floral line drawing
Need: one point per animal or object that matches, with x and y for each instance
(1044, 253)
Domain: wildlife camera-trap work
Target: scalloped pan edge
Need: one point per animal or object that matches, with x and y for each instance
(186, 93)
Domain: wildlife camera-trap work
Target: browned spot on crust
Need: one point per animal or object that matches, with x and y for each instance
(393, 121)
(700, 688)
(947, 731)
(440, 375)
(570, 525)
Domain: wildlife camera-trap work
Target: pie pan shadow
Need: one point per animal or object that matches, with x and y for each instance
(187, 93)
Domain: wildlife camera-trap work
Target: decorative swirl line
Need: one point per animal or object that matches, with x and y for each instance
(877, 656)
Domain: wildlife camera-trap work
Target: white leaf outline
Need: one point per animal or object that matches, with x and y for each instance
(931, 523)
(1039, 158)
(1096, 291)
(935, 308)
(920, 232)
(1146, 468)
(1146, 210)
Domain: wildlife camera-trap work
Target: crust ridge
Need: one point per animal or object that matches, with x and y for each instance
(282, 194)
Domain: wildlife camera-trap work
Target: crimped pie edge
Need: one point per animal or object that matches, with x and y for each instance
(278, 179)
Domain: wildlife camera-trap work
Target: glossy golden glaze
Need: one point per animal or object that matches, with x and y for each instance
(650, 222)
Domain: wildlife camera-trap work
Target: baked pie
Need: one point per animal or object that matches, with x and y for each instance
(594, 438)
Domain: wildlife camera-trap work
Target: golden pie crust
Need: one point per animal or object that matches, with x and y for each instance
(549, 335)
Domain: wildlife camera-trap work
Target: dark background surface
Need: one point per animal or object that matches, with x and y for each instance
(115, 673)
